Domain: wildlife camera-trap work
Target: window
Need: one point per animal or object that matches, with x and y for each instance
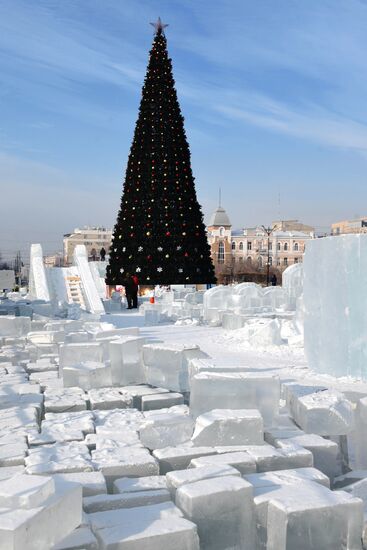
(295, 247)
(285, 246)
(221, 253)
(278, 246)
(249, 245)
(296, 260)
(260, 260)
(221, 231)
(285, 261)
(270, 245)
(241, 246)
(278, 261)
(249, 259)
(233, 245)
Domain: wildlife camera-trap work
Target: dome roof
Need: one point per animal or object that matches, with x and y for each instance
(220, 218)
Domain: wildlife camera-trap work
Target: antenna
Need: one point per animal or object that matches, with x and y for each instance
(279, 207)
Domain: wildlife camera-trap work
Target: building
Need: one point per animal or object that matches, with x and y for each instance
(53, 260)
(94, 238)
(237, 254)
(292, 225)
(359, 225)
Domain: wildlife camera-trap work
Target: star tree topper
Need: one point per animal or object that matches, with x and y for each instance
(159, 25)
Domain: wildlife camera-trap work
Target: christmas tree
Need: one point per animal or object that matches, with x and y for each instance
(159, 234)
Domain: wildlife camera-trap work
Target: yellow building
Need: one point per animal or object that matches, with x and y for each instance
(94, 239)
(235, 253)
(359, 225)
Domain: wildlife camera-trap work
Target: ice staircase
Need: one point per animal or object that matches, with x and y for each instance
(74, 291)
(81, 283)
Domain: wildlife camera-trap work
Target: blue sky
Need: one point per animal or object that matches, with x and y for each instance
(274, 95)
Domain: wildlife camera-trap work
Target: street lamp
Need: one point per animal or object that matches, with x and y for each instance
(268, 231)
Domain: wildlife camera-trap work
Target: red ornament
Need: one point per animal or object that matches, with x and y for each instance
(186, 254)
(168, 234)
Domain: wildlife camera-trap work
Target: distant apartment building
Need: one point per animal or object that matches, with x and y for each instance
(94, 239)
(53, 260)
(359, 225)
(240, 252)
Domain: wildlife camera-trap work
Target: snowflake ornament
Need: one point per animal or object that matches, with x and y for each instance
(140, 249)
(124, 249)
(159, 249)
(122, 270)
(138, 269)
(178, 247)
(180, 270)
(159, 269)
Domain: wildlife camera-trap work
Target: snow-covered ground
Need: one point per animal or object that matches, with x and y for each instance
(230, 347)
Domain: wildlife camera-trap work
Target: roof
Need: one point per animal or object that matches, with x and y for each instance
(220, 218)
(292, 234)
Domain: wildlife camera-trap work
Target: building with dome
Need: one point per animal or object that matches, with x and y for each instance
(243, 255)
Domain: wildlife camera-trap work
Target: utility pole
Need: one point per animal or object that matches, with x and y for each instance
(18, 268)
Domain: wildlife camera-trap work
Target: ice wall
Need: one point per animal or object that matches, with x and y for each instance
(98, 271)
(335, 305)
(92, 298)
(292, 281)
(38, 284)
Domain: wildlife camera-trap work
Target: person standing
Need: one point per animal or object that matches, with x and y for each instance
(273, 280)
(129, 290)
(135, 291)
(102, 254)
